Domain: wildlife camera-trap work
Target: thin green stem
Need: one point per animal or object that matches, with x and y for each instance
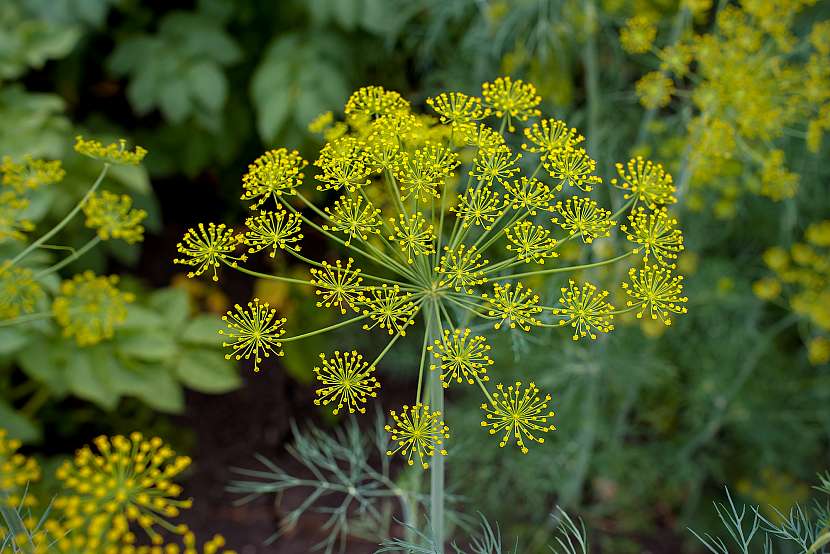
(325, 329)
(62, 223)
(71, 258)
(427, 329)
(570, 268)
(437, 477)
(268, 276)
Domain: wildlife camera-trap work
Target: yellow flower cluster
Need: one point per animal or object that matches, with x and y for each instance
(114, 217)
(16, 180)
(117, 497)
(755, 84)
(19, 291)
(441, 220)
(90, 307)
(16, 472)
(115, 153)
(802, 276)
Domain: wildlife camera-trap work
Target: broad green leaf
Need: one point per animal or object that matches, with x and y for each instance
(207, 371)
(208, 85)
(173, 304)
(204, 330)
(12, 340)
(152, 384)
(139, 317)
(173, 100)
(88, 375)
(148, 345)
(45, 364)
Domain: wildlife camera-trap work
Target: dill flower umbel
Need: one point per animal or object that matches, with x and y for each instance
(30, 173)
(347, 380)
(275, 173)
(418, 432)
(19, 291)
(431, 224)
(116, 152)
(654, 90)
(518, 414)
(124, 483)
(16, 471)
(90, 307)
(638, 34)
(113, 217)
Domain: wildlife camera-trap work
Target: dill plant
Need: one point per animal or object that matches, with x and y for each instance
(429, 247)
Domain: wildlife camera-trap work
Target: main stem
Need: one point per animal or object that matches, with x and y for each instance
(436, 394)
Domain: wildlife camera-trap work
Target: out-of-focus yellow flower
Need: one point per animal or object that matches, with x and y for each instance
(16, 472)
(12, 223)
(776, 181)
(767, 288)
(90, 308)
(116, 152)
(124, 481)
(30, 173)
(114, 217)
(638, 34)
(19, 291)
(818, 350)
(654, 90)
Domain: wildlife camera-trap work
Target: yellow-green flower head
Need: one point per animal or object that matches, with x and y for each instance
(646, 181)
(767, 288)
(115, 153)
(338, 285)
(374, 101)
(583, 217)
(515, 306)
(655, 289)
(818, 350)
(461, 357)
(654, 90)
(343, 164)
(12, 225)
(424, 171)
(531, 243)
(638, 34)
(19, 291)
(458, 109)
(355, 217)
(776, 181)
(479, 206)
(125, 483)
(16, 472)
(275, 173)
(400, 127)
(549, 135)
(657, 235)
(818, 234)
(347, 381)
(90, 307)
(529, 194)
(461, 268)
(414, 235)
(498, 165)
(514, 99)
(574, 166)
(676, 58)
(253, 332)
(30, 173)
(518, 414)
(484, 138)
(820, 37)
(207, 246)
(585, 309)
(275, 230)
(389, 308)
(419, 433)
(383, 152)
(113, 217)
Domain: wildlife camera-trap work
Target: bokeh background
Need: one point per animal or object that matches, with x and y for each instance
(653, 422)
